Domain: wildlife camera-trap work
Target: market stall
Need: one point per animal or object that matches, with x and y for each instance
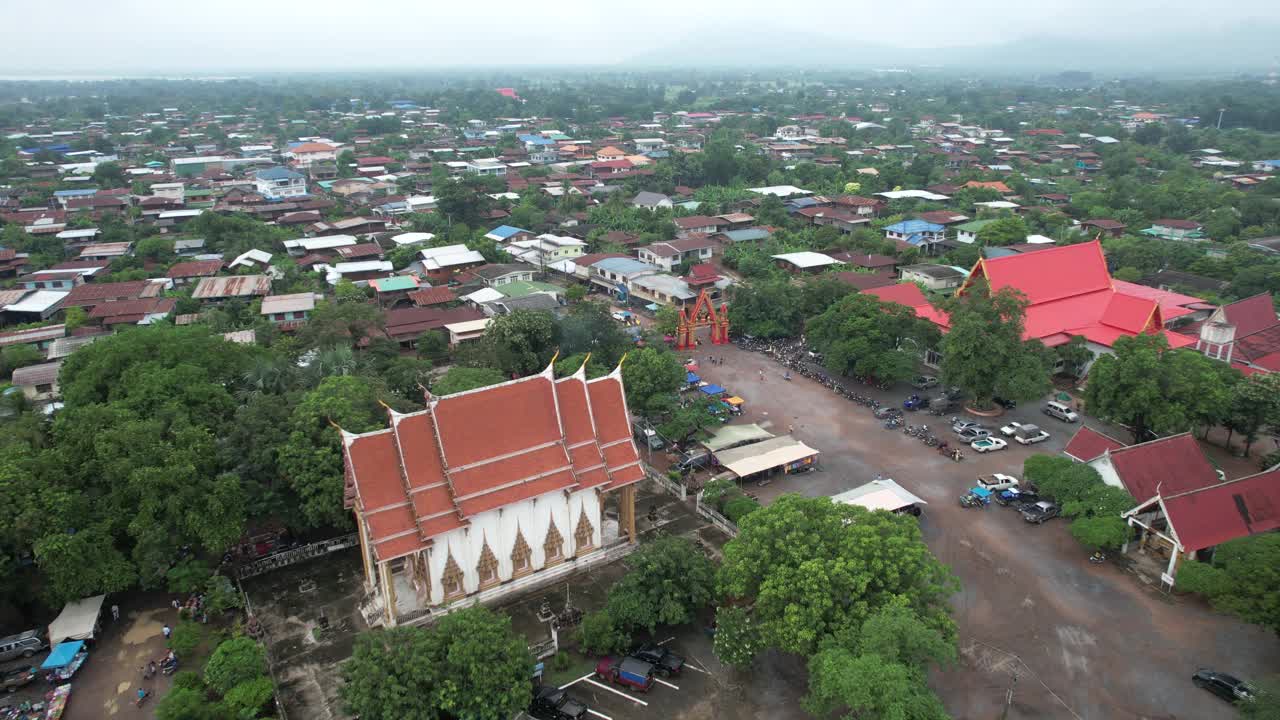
(56, 702)
(64, 660)
(77, 621)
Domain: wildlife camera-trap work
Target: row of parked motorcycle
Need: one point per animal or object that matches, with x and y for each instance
(795, 355)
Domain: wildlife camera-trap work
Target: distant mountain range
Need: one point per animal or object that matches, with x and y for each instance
(1245, 47)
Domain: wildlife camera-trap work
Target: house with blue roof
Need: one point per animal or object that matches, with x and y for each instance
(504, 234)
(917, 233)
(280, 183)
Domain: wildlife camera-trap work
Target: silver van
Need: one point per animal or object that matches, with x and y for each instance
(25, 645)
(1056, 409)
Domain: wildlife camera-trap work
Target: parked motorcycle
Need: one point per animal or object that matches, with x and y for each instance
(1097, 558)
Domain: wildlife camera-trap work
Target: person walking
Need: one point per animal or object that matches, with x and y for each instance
(115, 613)
(168, 632)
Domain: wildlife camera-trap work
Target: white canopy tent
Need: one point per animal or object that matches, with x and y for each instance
(77, 621)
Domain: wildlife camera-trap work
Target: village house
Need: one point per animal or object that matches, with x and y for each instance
(279, 183)
(184, 272)
(304, 155)
(289, 309)
(699, 224)
(234, 287)
(936, 278)
(1180, 230)
(667, 255)
(916, 233)
(440, 264)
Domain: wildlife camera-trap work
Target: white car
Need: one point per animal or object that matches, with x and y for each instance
(1010, 429)
(988, 444)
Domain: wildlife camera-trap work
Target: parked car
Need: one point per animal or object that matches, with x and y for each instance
(628, 672)
(1017, 496)
(1040, 511)
(1010, 429)
(22, 645)
(694, 461)
(924, 382)
(1227, 687)
(551, 703)
(962, 425)
(976, 432)
(996, 482)
(988, 444)
(1029, 434)
(1006, 404)
(11, 680)
(1057, 410)
(664, 662)
(888, 412)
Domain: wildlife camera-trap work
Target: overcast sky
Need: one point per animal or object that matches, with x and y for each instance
(133, 36)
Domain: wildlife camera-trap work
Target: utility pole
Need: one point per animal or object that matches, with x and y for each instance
(1220, 112)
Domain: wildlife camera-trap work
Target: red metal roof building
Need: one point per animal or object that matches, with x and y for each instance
(1071, 293)
(1250, 338)
(1166, 466)
(486, 486)
(1088, 444)
(1183, 523)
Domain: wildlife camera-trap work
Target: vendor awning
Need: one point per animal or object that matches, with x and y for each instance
(735, 401)
(767, 455)
(691, 377)
(884, 494)
(731, 436)
(77, 621)
(712, 389)
(62, 655)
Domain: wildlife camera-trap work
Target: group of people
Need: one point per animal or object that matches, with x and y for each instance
(193, 608)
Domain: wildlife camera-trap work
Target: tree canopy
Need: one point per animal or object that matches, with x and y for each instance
(469, 664)
(983, 352)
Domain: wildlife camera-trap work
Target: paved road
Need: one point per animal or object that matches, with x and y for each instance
(1086, 641)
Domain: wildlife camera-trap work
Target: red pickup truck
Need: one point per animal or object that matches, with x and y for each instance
(628, 672)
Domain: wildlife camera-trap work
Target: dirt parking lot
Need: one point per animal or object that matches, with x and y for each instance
(1085, 641)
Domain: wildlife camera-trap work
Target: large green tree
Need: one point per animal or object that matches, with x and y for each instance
(459, 379)
(652, 376)
(468, 665)
(667, 583)
(859, 335)
(1254, 405)
(807, 570)
(1243, 579)
(523, 342)
(1151, 389)
(983, 351)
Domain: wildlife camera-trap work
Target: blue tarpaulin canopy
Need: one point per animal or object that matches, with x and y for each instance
(712, 389)
(691, 377)
(981, 492)
(62, 655)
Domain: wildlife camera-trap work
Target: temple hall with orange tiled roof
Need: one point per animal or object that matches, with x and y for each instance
(491, 491)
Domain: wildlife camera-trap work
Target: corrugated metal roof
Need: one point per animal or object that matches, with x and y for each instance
(233, 286)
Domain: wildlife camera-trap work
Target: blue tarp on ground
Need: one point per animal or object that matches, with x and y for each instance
(691, 377)
(712, 389)
(63, 654)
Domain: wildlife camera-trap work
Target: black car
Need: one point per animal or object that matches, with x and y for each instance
(551, 703)
(1006, 404)
(664, 662)
(1227, 687)
(1040, 511)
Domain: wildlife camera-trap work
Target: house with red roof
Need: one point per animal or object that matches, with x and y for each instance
(1088, 444)
(1182, 523)
(1166, 465)
(448, 516)
(1245, 334)
(1071, 293)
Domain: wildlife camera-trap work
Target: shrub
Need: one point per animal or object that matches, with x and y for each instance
(187, 576)
(716, 492)
(220, 595)
(740, 507)
(237, 660)
(184, 704)
(560, 662)
(188, 679)
(601, 634)
(1100, 531)
(186, 637)
(247, 698)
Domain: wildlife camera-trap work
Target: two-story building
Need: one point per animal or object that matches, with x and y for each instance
(1180, 230)
(917, 233)
(279, 183)
(292, 308)
(667, 255)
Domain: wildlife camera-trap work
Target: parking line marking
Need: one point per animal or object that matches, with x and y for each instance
(575, 682)
(599, 714)
(691, 666)
(664, 642)
(602, 686)
(664, 682)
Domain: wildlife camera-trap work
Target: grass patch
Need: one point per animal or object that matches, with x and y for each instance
(578, 666)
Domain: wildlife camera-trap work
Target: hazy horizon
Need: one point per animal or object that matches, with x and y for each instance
(134, 37)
